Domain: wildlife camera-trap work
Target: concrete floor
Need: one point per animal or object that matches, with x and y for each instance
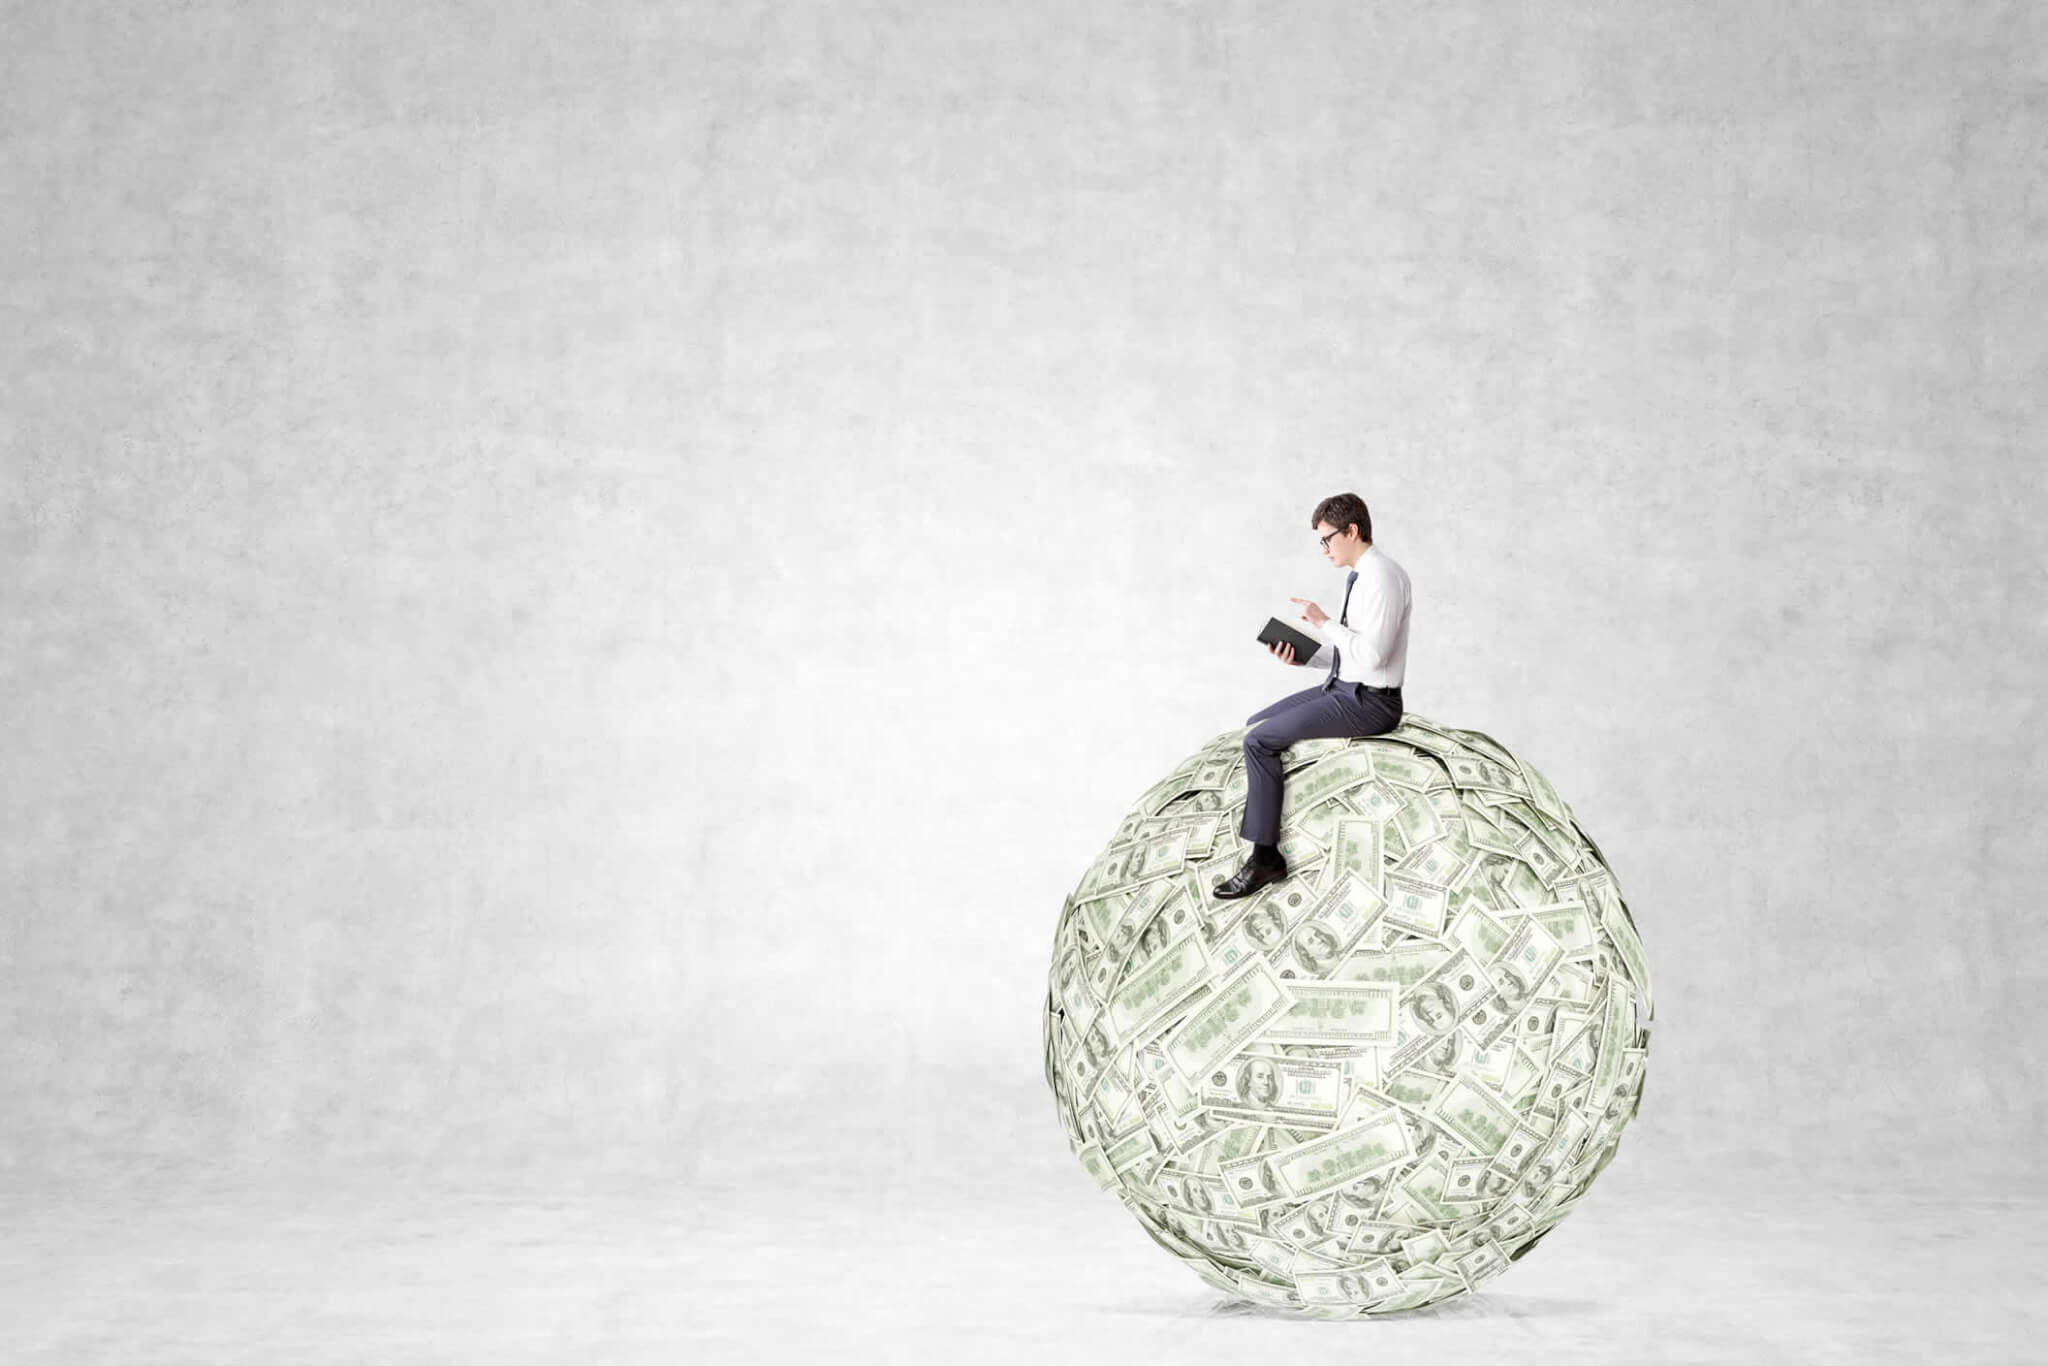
(1037, 1269)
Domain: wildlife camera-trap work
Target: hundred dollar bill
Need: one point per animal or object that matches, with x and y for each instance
(1204, 834)
(1481, 1264)
(1305, 1093)
(1424, 1184)
(1418, 823)
(1545, 797)
(1403, 769)
(1435, 1005)
(1375, 799)
(1477, 931)
(1309, 1226)
(1312, 1168)
(1475, 1115)
(1229, 1018)
(1621, 931)
(1129, 1152)
(1165, 984)
(1340, 773)
(1112, 1096)
(1571, 984)
(1425, 1247)
(1140, 861)
(1319, 822)
(1087, 1053)
(1577, 1053)
(1437, 863)
(1070, 979)
(1360, 1285)
(1263, 926)
(1097, 1166)
(1414, 1087)
(1404, 964)
(1473, 772)
(1356, 849)
(1416, 906)
(1613, 1034)
(1228, 1145)
(1545, 863)
(1206, 772)
(1177, 916)
(1522, 1144)
(1519, 970)
(1336, 922)
(1378, 1238)
(1131, 915)
(1286, 1260)
(1177, 1133)
(1506, 1223)
(1520, 886)
(1256, 1288)
(1186, 1190)
(1149, 1068)
(1337, 1012)
(1475, 1178)
(1570, 924)
(1485, 833)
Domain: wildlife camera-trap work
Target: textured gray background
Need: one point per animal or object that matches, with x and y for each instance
(580, 583)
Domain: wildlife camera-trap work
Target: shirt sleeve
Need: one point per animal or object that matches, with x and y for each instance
(1374, 616)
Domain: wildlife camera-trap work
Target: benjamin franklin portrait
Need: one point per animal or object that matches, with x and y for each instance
(1153, 939)
(1263, 926)
(1317, 949)
(1444, 1056)
(1258, 1083)
(1434, 1007)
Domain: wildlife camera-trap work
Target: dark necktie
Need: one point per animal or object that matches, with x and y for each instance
(1343, 619)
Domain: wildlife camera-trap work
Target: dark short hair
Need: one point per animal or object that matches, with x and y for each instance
(1341, 510)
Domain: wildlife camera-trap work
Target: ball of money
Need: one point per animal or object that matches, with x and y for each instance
(1377, 1083)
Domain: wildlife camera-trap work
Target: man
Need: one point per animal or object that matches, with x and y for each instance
(1361, 695)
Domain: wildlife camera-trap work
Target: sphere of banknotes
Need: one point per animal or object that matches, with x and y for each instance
(1372, 1085)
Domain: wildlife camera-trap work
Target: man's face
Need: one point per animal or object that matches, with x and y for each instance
(1342, 547)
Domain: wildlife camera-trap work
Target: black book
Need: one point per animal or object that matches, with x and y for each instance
(1278, 632)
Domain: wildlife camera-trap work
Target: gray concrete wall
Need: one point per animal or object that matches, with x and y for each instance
(580, 583)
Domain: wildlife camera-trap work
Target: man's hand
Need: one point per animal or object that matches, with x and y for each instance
(1282, 650)
(1312, 614)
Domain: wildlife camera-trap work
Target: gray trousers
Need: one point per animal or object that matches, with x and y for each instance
(1323, 711)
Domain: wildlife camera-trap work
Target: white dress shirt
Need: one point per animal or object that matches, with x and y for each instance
(1374, 643)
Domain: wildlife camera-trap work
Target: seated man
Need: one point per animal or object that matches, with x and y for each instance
(1361, 695)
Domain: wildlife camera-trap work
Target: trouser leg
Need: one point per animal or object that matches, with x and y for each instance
(1315, 714)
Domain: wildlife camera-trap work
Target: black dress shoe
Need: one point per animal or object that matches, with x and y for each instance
(1249, 879)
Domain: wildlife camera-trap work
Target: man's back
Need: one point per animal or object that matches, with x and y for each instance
(1380, 604)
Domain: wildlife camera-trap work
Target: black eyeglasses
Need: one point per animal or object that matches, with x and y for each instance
(1326, 539)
